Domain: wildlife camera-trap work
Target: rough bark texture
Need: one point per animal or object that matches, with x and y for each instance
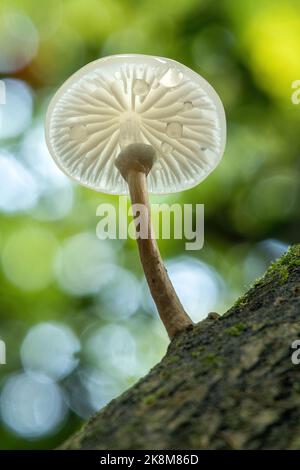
(227, 384)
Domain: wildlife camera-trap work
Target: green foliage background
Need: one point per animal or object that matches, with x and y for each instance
(249, 52)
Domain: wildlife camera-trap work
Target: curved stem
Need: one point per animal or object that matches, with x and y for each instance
(167, 302)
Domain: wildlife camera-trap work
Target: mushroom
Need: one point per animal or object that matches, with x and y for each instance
(138, 124)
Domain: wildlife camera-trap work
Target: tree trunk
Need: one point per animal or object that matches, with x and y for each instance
(229, 383)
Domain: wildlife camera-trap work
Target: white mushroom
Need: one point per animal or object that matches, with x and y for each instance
(136, 123)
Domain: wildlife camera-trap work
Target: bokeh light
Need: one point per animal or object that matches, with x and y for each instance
(19, 40)
(101, 388)
(28, 257)
(197, 285)
(273, 40)
(18, 189)
(32, 407)
(50, 349)
(113, 349)
(260, 257)
(52, 184)
(121, 295)
(89, 389)
(16, 113)
(83, 264)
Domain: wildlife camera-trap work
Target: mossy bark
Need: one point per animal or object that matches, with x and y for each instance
(229, 383)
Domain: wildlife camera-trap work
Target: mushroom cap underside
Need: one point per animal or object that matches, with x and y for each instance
(119, 100)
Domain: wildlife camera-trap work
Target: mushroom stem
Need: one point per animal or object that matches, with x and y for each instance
(167, 302)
